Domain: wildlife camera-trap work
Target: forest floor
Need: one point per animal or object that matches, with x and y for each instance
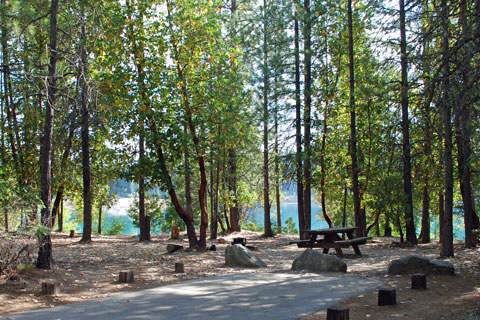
(90, 271)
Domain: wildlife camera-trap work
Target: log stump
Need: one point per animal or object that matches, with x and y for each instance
(50, 289)
(419, 281)
(179, 267)
(175, 232)
(241, 241)
(213, 248)
(125, 277)
(72, 234)
(338, 313)
(387, 297)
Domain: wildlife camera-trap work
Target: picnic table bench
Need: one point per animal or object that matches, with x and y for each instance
(332, 240)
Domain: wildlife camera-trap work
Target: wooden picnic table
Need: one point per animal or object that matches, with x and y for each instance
(332, 240)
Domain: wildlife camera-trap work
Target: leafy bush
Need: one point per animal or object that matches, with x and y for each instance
(289, 227)
(116, 227)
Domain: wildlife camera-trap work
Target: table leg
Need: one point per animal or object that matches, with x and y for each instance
(339, 252)
(356, 249)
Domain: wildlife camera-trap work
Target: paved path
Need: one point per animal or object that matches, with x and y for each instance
(277, 296)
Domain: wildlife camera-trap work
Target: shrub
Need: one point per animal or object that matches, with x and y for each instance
(16, 249)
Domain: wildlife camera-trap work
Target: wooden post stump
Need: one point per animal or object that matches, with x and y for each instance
(179, 268)
(338, 313)
(125, 277)
(387, 297)
(175, 232)
(72, 233)
(213, 248)
(419, 281)
(241, 241)
(50, 288)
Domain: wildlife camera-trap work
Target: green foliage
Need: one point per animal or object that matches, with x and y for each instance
(162, 216)
(115, 227)
(289, 227)
(252, 226)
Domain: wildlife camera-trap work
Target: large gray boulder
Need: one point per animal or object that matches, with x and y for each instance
(418, 264)
(315, 261)
(238, 256)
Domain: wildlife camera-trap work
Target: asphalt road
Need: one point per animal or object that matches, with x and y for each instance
(286, 295)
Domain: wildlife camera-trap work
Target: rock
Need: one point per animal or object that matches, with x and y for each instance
(315, 261)
(239, 256)
(173, 247)
(417, 264)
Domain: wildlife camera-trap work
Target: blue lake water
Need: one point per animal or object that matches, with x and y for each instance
(288, 209)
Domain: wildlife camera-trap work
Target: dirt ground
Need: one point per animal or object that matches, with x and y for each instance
(85, 272)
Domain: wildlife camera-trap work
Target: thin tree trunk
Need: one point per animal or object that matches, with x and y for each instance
(298, 130)
(232, 188)
(60, 217)
(307, 174)
(266, 186)
(44, 259)
(425, 214)
(100, 213)
(447, 240)
(277, 167)
(353, 134)
(5, 215)
(144, 233)
(188, 182)
(407, 166)
(87, 192)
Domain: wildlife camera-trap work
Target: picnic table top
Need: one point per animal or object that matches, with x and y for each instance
(330, 230)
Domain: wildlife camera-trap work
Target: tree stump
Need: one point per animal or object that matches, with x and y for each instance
(387, 297)
(72, 233)
(125, 277)
(50, 288)
(171, 248)
(419, 281)
(175, 232)
(337, 313)
(179, 268)
(212, 248)
(241, 241)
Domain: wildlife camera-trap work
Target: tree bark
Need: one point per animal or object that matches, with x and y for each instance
(100, 213)
(353, 134)
(298, 130)
(407, 166)
(464, 132)
(307, 174)
(44, 259)
(447, 241)
(277, 167)
(266, 185)
(87, 192)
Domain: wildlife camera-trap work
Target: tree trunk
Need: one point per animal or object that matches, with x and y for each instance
(447, 241)
(214, 198)
(188, 182)
(353, 134)
(44, 259)
(60, 217)
(266, 184)
(100, 212)
(425, 214)
(5, 215)
(441, 215)
(298, 130)
(87, 192)
(307, 174)
(407, 166)
(464, 133)
(144, 233)
(323, 169)
(277, 168)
